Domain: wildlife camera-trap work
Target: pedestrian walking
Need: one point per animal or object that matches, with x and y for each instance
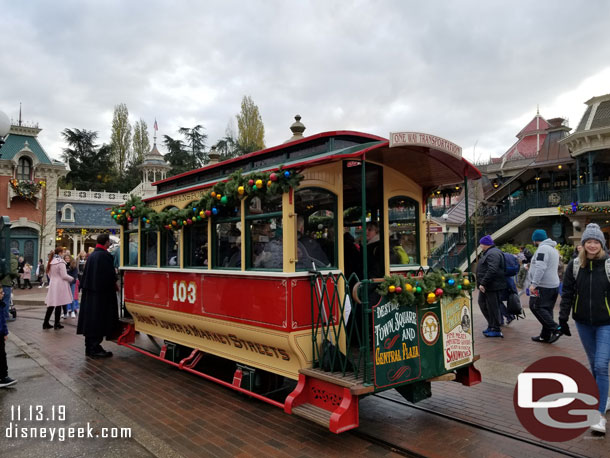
(585, 290)
(5, 380)
(59, 293)
(99, 314)
(20, 271)
(491, 283)
(72, 269)
(27, 276)
(544, 285)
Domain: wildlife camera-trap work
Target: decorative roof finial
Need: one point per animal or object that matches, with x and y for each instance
(537, 110)
(297, 129)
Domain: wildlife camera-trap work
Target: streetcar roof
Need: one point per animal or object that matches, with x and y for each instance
(426, 166)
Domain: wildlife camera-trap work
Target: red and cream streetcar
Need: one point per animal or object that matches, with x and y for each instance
(254, 272)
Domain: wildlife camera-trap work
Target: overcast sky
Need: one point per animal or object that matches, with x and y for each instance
(472, 72)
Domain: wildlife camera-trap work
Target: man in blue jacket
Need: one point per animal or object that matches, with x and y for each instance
(491, 283)
(544, 285)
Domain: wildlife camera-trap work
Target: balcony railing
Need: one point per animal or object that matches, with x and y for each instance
(91, 196)
(495, 217)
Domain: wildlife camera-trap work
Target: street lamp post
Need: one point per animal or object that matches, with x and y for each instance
(445, 218)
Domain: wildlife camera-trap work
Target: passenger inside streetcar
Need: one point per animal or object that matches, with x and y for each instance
(267, 246)
(309, 251)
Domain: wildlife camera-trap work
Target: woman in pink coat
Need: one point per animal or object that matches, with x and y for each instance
(59, 293)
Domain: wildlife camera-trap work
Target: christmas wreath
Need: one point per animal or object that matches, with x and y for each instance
(27, 188)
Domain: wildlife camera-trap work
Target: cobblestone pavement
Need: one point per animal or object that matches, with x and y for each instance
(173, 413)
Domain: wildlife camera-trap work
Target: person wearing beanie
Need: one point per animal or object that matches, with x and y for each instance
(586, 287)
(544, 286)
(491, 284)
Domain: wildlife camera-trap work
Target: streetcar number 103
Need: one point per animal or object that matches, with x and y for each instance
(184, 292)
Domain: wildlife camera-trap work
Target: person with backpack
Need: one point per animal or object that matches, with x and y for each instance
(491, 283)
(586, 287)
(544, 286)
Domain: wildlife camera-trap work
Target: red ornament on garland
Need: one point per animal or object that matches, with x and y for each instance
(208, 213)
(398, 289)
(250, 182)
(273, 177)
(133, 207)
(439, 292)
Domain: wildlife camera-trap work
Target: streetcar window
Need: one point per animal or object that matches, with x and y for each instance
(227, 248)
(196, 245)
(264, 235)
(170, 246)
(130, 253)
(149, 243)
(316, 229)
(403, 220)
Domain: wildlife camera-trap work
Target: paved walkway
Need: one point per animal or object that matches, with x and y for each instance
(173, 413)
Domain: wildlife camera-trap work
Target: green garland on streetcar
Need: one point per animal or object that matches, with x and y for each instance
(429, 288)
(222, 200)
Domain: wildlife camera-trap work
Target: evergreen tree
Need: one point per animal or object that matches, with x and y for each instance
(227, 146)
(90, 165)
(176, 155)
(120, 139)
(251, 131)
(195, 141)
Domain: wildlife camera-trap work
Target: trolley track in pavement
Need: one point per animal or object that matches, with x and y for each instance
(379, 441)
(534, 443)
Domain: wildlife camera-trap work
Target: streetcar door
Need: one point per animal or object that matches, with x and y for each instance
(352, 205)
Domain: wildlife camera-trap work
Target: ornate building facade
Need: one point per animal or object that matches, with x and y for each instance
(28, 191)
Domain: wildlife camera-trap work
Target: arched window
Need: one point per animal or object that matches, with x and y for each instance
(403, 220)
(67, 213)
(316, 229)
(24, 169)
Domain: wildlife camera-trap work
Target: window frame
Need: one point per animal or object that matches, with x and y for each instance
(416, 204)
(248, 235)
(18, 174)
(335, 262)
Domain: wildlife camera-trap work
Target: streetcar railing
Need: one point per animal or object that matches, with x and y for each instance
(338, 321)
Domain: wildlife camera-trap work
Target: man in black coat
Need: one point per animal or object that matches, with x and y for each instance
(99, 313)
(491, 282)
